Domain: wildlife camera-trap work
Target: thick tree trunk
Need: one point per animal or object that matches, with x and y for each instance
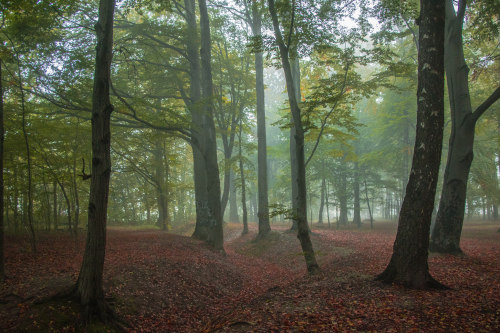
(2, 137)
(301, 199)
(263, 198)
(89, 287)
(215, 236)
(197, 125)
(448, 227)
(408, 265)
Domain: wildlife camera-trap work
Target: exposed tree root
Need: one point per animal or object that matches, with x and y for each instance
(391, 275)
(91, 313)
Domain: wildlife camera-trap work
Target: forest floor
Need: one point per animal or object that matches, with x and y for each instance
(165, 282)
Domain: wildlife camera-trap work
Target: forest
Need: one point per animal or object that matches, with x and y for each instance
(249, 165)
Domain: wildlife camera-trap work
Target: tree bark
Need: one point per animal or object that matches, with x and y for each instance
(77, 198)
(449, 221)
(322, 199)
(2, 137)
(194, 105)
(328, 204)
(342, 196)
(263, 197)
(243, 186)
(89, 287)
(54, 208)
(301, 199)
(68, 207)
(295, 73)
(161, 187)
(47, 203)
(215, 232)
(357, 206)
(233, 207)
(408, 264)
(31, 226)
(368, 204)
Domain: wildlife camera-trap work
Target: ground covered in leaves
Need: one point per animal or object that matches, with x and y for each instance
(164, 282)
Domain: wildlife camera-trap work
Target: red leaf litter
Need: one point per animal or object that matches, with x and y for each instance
(164, 282)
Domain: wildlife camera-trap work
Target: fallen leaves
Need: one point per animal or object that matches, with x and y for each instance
(166, 282)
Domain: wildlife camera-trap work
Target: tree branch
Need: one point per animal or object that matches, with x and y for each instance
(486, 104)
(177, 131)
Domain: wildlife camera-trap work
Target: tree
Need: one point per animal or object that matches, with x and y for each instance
(300, 180)
(215, 232)
(2, 137)
(242, 179)
(449, 221)
(408, 264)
(89, 287)
(194, 105)
(262, 187)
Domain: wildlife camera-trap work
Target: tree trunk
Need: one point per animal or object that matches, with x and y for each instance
(31, 226)
(342, 196)
(368, 204)
(295, 73)
(243, 186)
(328, 204)
(408, 264)
(263, 197)
(406, 155)
(226, 186)
(2, 137)
(77, 198)
(301, 199)
(448, 227)
(68, 207)
(15, 212)
(48, 212)
(215, 232)
(148, 209)
(322, 200)
(197, 126)
(233, 207)
(161, 195)
(357, 206)
(89, 287)
(54, 208)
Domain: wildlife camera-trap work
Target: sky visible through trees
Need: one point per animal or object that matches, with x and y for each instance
(268, 117)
